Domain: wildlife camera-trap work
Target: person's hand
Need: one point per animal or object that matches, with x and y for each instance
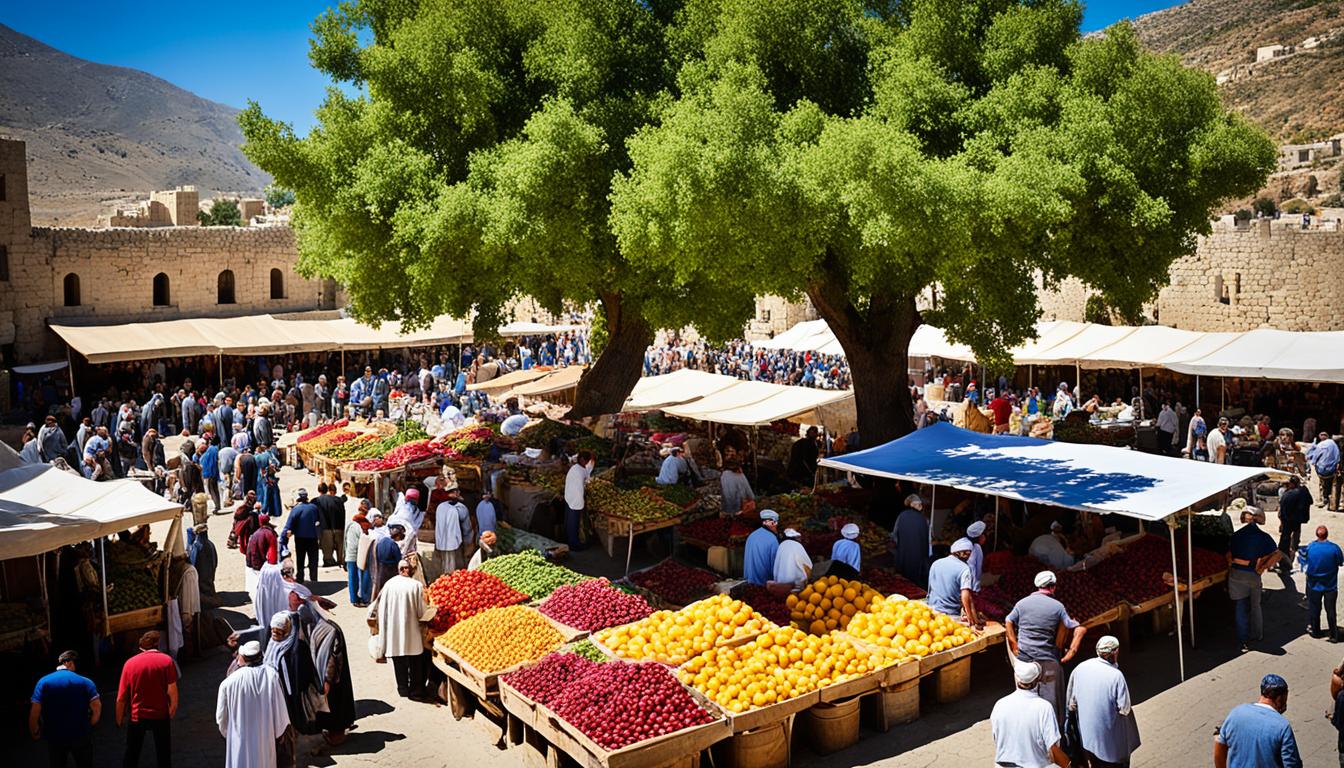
(326, 688)
(1068, 655)
(35, 733)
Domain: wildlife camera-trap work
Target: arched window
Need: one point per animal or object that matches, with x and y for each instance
(162, 294)
(72, 290)
(277, 284)
(225, 288)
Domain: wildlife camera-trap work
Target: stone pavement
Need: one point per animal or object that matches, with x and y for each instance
(1176, 720)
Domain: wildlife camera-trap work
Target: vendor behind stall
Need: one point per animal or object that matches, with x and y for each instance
(792, 565)
(735, 488)
(758, 561)
(910, 541)
(846, 554)
(1049, 548)
(950, 585)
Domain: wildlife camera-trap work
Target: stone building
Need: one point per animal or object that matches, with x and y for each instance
(104, 276)
(169, 208)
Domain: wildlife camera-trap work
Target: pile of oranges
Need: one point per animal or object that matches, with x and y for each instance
(500, 638)
(902, 629)
(777, 666)
(829, 603)
(673, 637)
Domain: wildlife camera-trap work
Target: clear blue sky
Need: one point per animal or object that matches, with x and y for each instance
(232, 52)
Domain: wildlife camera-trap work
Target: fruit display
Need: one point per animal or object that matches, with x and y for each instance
(587, 650)
(400, 456)
(15, 617)
(462, 594)
(777, 666)
(499, 638)
(467, 443)
(323, 443)
(829, 603)
(618, 704)
(381, 447)
(640, 506)
(771, 606)
(133, 578)
(544, 681)
(594, 604)
(321, 430)
(902, 629)
(889, 582)
(530, 573)
(1136, 573)
(545, 432)
(354, 448)
(715, 531)
(1084, 596)
(672, 637)
(675, 583)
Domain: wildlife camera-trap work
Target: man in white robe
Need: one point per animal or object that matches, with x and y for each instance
(793, 565)
(400, 610)
(250, 712)
(1099, 695)
(448, 535)
(271, 597)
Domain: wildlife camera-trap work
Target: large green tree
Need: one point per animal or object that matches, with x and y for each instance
(859, 154)
(471, 159)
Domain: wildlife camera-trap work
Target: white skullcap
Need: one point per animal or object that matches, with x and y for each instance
(1108, 644)
(961, 545)
(850, 531)
(770, 514)
(791, 533)
(250, 649)
(1056, 526)
(403, 564)
(975, 530)
(280, 620)
(1044, 579)
(1026, 672)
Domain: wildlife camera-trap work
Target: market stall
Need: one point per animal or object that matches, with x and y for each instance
(1087, 478)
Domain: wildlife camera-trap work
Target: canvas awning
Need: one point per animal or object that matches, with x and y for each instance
(509, 380)
(558, 380)
(1142, 348)
(1093, 478)
(684, 385)
(43, 508)
(756, 403)
(804, 336)
(1269, 354)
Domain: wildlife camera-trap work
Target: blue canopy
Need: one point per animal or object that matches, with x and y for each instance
(1094, 478)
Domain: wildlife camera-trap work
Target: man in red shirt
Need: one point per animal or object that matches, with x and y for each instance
(148, 692)
(1002, 410)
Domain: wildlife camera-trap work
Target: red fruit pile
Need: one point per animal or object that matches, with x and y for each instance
(547, 679)
(619, 703)
(889, 582)
(594, 604)
(462, 594)
(1083, 595)
(316, 432)
(715, 531)
(770, 606)
(1136, 573)
(399, 456)
(676, 583)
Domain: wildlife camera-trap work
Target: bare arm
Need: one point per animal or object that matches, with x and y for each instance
(1219, 754)
(1078, 633)
(95, 711)
(1010, 633)
(1058, 757)
(121, 711)
(34, 719)
(968, 609)
(172, 700)
(1266, 562)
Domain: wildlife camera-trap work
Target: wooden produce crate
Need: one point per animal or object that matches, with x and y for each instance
(1136, 609)
(570, 634)
(770, 714)
(992, 634)
(609, 528)
(16, 639)
(1117, 612)
(518, 704)
(680, 749)
(144, 618)
(892, 705)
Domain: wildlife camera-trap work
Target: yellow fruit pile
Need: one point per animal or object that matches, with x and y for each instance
(500, 638)
(777, 666)
(906, 628)
(829, 603)
(673, 637)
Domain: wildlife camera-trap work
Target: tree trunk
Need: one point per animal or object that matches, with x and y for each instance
(876, 341)
(604, 388)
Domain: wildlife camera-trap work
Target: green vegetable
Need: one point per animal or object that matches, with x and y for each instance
(587, 650)
(531, 574)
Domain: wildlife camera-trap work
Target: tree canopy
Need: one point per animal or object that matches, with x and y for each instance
(222, 213)
(861, 156)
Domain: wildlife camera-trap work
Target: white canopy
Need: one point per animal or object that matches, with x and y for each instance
(756, 403)
(804, 336)
(509, 380)
(43, 508)
(1269, 354)
(557, 380)
(684, 385)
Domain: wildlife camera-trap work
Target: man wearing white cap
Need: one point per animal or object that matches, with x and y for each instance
(250, 711)
(1026, 734)
(975, 534)
(950, 585)
(1031, 628)
(758, 559)
(846, 552)
(792, 563)
(1099, 697)
(1049, 548)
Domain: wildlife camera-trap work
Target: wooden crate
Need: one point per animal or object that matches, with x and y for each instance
(992, 634)
(770, 714)
(678, 749)
(1116, 613)
(1136, 609)
(144, 618)
(893, 705)
(952, 682)
(518, 704)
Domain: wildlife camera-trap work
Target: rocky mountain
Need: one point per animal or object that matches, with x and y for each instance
(99, 134)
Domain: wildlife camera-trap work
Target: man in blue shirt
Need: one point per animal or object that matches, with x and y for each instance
(758, 561)
(950, 584)
(65, 707)
(1323, 561)
(1258, 735)
(1251, 552)
(1324, 458)
(305, 525)
(210, 472)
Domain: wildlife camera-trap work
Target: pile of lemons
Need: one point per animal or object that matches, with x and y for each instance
(672, 637)
(904, 628)
(829, 603)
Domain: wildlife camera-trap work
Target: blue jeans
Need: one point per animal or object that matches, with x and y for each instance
(1244, 589)
(1315, 600)
(572, 518)
(360, 583)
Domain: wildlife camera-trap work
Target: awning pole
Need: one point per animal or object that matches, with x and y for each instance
(1176, 591)
(1192, 448)
(1140, 392)
(1190, 568)
(102, 565)
(629, 547)
(221, 370)
(70, 368)
(933, 505)
(996, 522)
(1078, 378)
(1222, 388)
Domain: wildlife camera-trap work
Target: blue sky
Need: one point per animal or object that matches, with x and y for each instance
(234, 52)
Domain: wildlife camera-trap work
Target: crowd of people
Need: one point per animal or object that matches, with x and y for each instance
(743, 360)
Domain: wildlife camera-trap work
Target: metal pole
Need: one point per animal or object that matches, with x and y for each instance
(1222, 388)
(1176, 591)
(1196, 400)
(102, 565)
(221, 370)
(933, 505)
(70, 368)
(996, 522)
(629, 547)
(1140, 392)
(1190, 568)
(1078, 378)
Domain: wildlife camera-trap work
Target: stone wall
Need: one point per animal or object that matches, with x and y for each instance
(774, 315)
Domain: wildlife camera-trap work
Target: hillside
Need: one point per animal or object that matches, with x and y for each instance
(99, 133)
(1297, 97)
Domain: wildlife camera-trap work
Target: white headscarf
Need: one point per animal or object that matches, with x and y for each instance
(271, 597)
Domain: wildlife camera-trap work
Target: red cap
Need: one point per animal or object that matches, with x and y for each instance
(412, 493)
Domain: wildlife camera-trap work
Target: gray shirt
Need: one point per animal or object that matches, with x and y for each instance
(736, 489)
(947, 578)
(1036, 619)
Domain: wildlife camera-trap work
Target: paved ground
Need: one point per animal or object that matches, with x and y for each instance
(1176, 720)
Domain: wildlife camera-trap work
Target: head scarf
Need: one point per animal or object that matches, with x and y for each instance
(850, 531)
(271, 596)
(281, 654)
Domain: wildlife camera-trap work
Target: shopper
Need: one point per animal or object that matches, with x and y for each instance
(1031, 628)
(65, 707)
(147, 700)
(1258, 735)
(1294, 512)
(1023, 724)
(1098, 696)
(847, 552)
(250, 711)
(736, 488)
(487, 513)
(358, 579)
(576, 483)
(1323, 455)
(305, 525)
(1323, 561)
(792, 564)
(1252, 552)
(448, 535)
(331, 512)
(400, 610)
